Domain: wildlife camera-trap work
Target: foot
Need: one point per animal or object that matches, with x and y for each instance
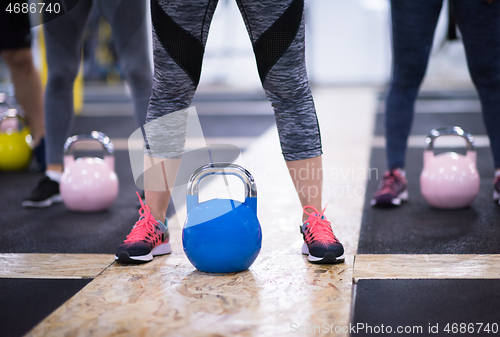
(148, 238)
(45, 194)
(319, 241)
(393, 189)
(496, 189)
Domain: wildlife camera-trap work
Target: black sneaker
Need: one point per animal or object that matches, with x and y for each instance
(44, 195)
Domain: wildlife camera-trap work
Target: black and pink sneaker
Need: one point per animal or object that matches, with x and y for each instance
(393, 189)
(148, 238)
(496, 189)
(319, 241)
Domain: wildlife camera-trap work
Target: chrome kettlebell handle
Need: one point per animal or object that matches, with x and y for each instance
(449, 131)
(222, 169)
(94, 135)
(12, 113)
(9, 113)
(6, 106)
(3, 101)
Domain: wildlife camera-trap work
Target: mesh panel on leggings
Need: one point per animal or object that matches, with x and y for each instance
(186, 50)
(276, 40)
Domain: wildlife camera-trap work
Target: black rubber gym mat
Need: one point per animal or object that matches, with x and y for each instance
(423, 123)
(26, 302)
(56, 229)
(416, 228)
(464, 307)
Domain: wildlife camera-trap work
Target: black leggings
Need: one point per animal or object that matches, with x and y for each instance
(413, 25)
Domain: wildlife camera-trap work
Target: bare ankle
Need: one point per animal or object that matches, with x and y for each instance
(55, 167)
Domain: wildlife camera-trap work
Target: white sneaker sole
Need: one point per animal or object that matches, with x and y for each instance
(162, 249)
(496, 196)
(328, 258)
(55, 199)
(403, 196)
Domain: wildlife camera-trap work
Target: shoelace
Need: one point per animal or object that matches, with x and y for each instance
(144, 226)
(390, 179)
(319, 226)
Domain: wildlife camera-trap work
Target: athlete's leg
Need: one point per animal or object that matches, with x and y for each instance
(180, 32)
(276, 29)
(309, 187)
(15, 50)
(28, 88)
(479, 23)
(128, 23)
(413, 25)
(63, 39)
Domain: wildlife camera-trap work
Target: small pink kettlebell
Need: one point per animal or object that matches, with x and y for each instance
(89, 184)
(449, 180)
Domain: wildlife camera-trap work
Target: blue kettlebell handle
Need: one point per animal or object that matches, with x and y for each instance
(222, 169)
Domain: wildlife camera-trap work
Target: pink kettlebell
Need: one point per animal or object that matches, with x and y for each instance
(449, 180)
(89, 184)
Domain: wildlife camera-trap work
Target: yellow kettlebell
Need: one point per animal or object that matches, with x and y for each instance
(15, 141)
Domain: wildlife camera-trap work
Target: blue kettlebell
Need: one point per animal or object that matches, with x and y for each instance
(221, 235)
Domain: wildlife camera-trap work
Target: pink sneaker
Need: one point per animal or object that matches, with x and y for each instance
(496, 189)
(148, 238)
(392, 190)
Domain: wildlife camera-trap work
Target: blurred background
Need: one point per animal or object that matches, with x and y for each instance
(348, 44)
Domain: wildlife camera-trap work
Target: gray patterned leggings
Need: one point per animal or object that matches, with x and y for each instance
(413, 25)
(276, 29)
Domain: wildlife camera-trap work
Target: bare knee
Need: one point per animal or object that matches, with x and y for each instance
(18, 59)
